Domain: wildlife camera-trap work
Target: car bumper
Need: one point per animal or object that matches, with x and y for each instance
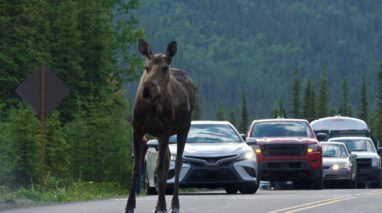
(340, 174)
(214, 176)
(274, 170)
(370, 175)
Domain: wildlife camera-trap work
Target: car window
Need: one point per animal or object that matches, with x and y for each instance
(334, 150)
(357, 145)
(211, 133)
(281, 129)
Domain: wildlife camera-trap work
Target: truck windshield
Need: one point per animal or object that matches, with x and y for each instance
(357, 145)
(281, 129)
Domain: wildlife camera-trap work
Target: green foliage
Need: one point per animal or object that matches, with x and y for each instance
(21, 140)
(233, 118)
(344, 105)
(308, 110)
(377, 114)
(220, 115)
(244, 115)
(87, 44)
(252, 45)
(363, 105)
(323, 97)
(196, 110)
(295, 95)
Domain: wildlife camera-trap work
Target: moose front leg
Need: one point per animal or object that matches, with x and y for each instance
(181, 141)
(162, 170)
(137, 151)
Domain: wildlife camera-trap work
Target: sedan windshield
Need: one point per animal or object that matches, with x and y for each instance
(281, 129)
(358, 145)
(334, 150)
(211, 133)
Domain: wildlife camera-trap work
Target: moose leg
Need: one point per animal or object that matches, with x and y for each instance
(181, 141)
(137, 150)
(162, 170)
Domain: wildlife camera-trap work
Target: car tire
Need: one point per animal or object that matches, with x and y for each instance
(317, 184)
(231, 190)
(249, 188)
(149, 190)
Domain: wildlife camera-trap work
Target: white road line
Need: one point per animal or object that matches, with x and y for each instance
(304, 205)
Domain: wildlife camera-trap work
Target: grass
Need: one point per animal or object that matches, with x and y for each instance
(77, 191)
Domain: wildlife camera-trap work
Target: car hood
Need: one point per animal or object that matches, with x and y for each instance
(361, 155)
(212, 149)
(326, 161)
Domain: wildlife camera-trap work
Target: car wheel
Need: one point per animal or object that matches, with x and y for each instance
(249, 188)
(231, 190)
(148, 190)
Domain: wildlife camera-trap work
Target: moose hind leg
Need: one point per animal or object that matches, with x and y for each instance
(137, 150)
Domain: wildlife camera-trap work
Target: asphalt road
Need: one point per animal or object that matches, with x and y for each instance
(336, 200)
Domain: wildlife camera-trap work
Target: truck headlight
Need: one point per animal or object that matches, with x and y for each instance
(376, 162)
(247, 155)
(313, 148)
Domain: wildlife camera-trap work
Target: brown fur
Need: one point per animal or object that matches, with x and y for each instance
(163, 107)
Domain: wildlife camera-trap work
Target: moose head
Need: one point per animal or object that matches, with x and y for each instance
(156, 74)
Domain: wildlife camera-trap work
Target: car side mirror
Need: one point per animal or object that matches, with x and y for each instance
(153, 144)
(379, 150)
(251, 141)
(322, 136)
(243, 137)
(353, 156)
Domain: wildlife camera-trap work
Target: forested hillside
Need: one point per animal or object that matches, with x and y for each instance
(231, 47)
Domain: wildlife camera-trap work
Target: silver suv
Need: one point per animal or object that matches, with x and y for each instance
(368, 160)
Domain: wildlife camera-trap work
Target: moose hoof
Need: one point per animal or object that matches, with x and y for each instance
(161, 211)
(174, 210)
(128, 211)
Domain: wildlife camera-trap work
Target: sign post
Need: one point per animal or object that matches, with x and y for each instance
(43, 90)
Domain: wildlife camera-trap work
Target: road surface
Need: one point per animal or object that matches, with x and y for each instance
(316, 201)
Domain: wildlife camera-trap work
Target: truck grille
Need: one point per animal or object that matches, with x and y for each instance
(363, 163)
(284, 149)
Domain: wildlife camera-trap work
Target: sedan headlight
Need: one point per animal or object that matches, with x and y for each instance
(247, 155)
(376, 162)
(338, 166)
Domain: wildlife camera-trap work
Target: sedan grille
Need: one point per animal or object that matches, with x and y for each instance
(220, 175)
(284, 149)
(203, 161)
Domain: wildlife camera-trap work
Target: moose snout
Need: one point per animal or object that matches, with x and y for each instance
(150, 92)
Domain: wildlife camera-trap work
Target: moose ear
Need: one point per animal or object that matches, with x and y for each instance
(171, 49)
(145, 49)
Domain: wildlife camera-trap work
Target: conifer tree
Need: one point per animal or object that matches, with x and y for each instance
(363, 105)
(307, 100)
(196, 110)
(296, 90)
(233, 118)
(244, 115)
(220, 115)
(344, 105)
(323, 97)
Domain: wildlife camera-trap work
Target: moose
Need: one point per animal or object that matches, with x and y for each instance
(163, 107)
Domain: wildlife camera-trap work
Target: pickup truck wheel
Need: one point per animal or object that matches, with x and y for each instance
(317, 183)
